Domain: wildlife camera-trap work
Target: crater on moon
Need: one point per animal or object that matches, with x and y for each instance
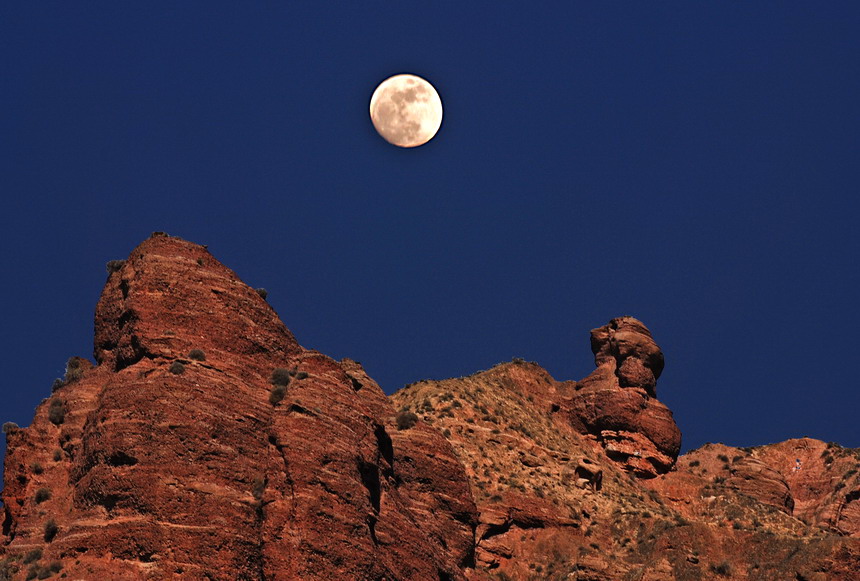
(406, 110)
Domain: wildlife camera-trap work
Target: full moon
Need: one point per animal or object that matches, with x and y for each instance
(406, 110)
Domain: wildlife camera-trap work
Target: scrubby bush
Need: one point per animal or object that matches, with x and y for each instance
(58, 455)
(197, 355)
(724, 569)
(277, 394)
(114, 265)
(723, 457)
(50, 531)
(58, 383)
(37, 468)
(9, 426)
(57, 412)
(177, 368)
(259, 487)
(42, 495)
(74, 369)
(32, 556)
(301, 375)
(7, 570)
(280, 376)
(406, 420)
(262, 292)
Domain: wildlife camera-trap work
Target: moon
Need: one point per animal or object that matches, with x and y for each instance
(406, 110)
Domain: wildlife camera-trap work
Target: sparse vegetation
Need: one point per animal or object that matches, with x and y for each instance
(45, 571)
(176, 368)
(301, 375)
(280, 376)
(724, 569)
(37, 468)
(9, 426)
(50, 531)
(406, 420)
(42, 495)
(258, 487)
(723, 458)
(114, 265)
(57, 412)
(197, 355)
(58, 383)
(74, 369)
(278, 393)
(58, 455)
(262, 292)
(7, 570)
(32, 556)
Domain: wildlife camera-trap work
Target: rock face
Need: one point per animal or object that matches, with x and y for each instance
(617, 402)
(172, 458)
(207, 443)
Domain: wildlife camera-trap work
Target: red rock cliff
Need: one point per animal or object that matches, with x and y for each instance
(175, 458)
(207, 444)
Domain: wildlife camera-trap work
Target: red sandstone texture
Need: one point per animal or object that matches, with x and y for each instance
(177, 457)
(155, 474)
(579, 480)
(617, 402)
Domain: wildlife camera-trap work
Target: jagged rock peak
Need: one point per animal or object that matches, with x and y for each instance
(208, 444)
(171, 294)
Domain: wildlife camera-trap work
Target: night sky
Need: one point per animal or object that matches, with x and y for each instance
(693, 166)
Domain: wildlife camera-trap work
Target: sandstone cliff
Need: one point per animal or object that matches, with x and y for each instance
(206, 443)
(174, 457)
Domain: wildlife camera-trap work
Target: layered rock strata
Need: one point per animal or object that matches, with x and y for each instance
(174, 458)
(206, 443)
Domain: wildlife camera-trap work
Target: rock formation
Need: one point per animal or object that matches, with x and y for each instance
(617, 402)
(207, 443)
(173, 458)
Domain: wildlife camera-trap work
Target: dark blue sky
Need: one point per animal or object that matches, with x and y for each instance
(693, 166)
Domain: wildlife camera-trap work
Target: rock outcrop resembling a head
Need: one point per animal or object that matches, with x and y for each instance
(208, 444)
(626, 344)
(617, 403)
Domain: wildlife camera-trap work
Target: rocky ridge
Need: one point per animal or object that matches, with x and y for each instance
(207, 443)
(176, 456)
